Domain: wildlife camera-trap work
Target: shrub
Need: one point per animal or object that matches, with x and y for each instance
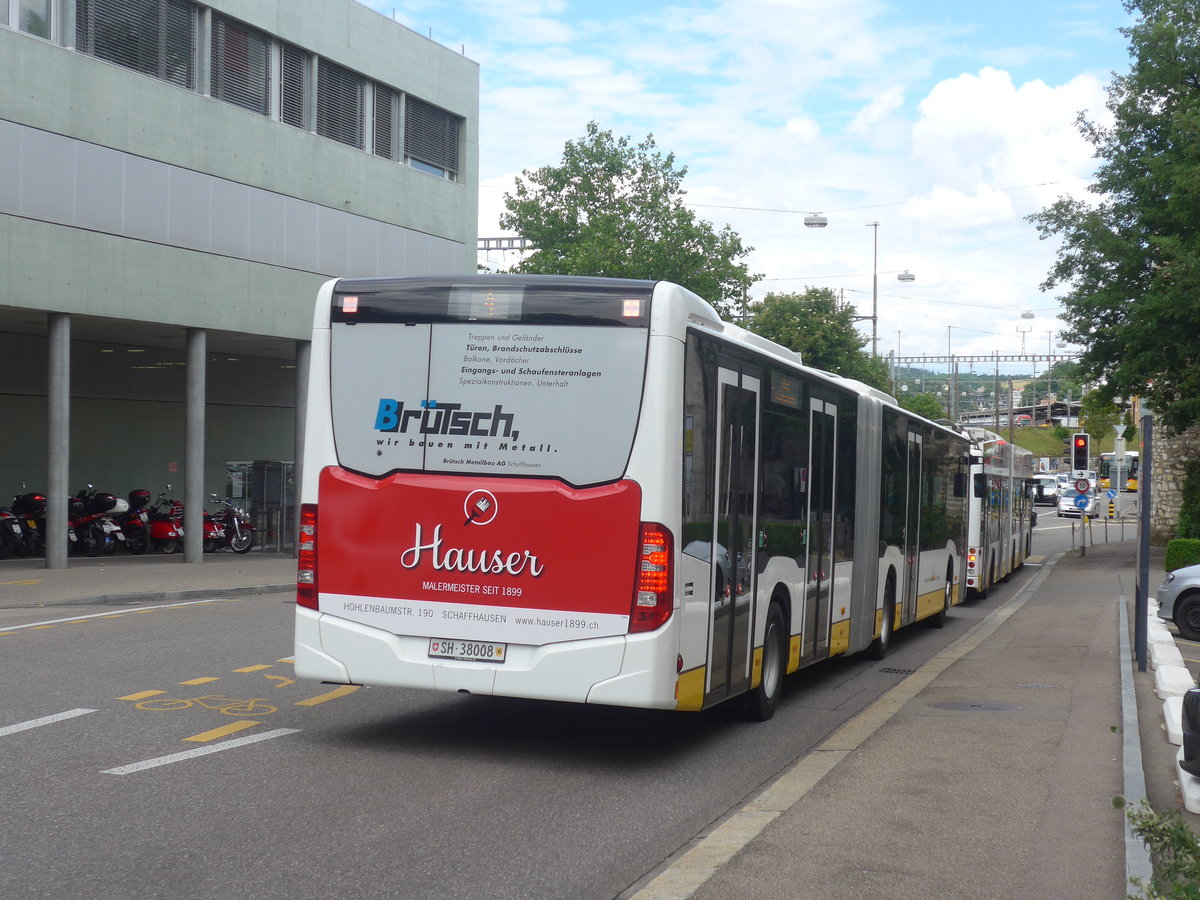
(1174, 850)
(1181, 552)
(1189, 511)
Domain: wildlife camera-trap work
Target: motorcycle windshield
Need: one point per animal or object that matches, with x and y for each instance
(491, 376)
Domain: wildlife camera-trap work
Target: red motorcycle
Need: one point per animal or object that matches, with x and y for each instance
(166, 526)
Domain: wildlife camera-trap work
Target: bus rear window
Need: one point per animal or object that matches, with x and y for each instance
(492, 379)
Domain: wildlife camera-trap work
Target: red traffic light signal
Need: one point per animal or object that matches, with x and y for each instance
(1079, 452)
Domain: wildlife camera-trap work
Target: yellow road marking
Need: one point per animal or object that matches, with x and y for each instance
(224, 730)
(6, 633)
(283, 682)
(43, 627)
(143, 610)
(113, 616)
(290, 660)
(204, 680)
(142, 696)
(332, 695)
(23, 581)
(252, 669)
(77, 622)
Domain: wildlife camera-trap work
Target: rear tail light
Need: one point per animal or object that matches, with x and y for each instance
(972, 558)
(653, 597)
(306, 564)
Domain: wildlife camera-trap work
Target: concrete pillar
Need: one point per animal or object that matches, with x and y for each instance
(193, 482)
(58, 437)
(303, 355)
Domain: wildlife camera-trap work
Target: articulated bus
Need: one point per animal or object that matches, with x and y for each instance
(1108, 471)
(1000, 529)
(597, 491)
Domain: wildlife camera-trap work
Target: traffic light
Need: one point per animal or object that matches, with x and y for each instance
(1079, 452)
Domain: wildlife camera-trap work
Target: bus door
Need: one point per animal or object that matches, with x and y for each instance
(912, 526)
(819, 531)
(735, 527)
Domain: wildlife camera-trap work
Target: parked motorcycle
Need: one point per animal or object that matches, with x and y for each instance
(12, 535)
(91, 518)
(235, 523)
(135, 523)
(30, 510)
(166, 526)
(166, 523)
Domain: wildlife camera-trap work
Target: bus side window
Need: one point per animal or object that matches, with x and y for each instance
(980, 486)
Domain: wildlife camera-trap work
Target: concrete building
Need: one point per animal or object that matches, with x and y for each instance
(176, 180)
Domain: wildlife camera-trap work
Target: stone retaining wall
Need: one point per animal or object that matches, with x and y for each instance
(1169, 461)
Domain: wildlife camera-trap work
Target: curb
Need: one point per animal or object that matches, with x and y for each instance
(155, 596)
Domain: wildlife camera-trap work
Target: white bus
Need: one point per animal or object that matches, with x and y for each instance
(1000, 529)
(595, 490)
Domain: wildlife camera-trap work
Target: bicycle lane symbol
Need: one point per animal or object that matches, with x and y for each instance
(230, 706)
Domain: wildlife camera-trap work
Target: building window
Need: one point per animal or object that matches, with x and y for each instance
(383, 132)
(340, 95)
(293, 86)
(154, 37)
(29, 16)
(430, 138)
(241, 65)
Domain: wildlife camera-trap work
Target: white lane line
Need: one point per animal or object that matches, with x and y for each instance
(199, 751)
(116, 612)
(44, 720)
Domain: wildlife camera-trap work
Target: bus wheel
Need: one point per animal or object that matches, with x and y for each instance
(878, 648)
(761, 702)
(939, 619)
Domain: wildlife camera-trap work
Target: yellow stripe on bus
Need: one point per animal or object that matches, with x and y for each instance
(839, 637)
(689, 690)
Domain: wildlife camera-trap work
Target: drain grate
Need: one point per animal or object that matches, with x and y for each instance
(891, 671)
(986, 705)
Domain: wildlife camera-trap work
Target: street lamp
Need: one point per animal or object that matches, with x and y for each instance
(815, 220)
(875, 291)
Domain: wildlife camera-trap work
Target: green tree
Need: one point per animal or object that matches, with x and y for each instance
(814, 325)
(1131, 261)
(616, 209)
(926, 405)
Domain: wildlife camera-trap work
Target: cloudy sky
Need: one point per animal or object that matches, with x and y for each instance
(946, 122)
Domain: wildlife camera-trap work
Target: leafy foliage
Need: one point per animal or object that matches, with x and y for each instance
(927, 405)
(614, 208)
(814, 325)
(1189, 510)
(1175, 851)
(1131, 262)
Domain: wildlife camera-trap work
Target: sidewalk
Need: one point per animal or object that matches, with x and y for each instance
(28, 583)
(988, 773)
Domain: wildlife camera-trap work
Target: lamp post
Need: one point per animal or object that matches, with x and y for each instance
(874, 290)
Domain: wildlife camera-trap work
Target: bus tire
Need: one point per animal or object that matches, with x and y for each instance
(878, 648)
(938, 620)
(761, 702)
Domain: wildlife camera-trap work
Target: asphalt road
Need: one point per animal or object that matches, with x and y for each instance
(166, 751)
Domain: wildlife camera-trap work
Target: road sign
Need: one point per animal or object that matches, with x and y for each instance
(1082, 485)
(1112, 495)
(1082, 501)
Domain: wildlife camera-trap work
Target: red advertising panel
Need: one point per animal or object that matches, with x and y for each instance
(501, 559)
